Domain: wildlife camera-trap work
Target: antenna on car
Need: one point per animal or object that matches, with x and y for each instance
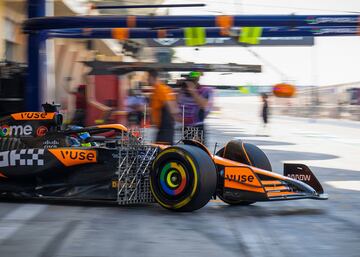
(216, 144)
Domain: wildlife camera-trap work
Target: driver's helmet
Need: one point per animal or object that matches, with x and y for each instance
(83, 137)
(79, 139)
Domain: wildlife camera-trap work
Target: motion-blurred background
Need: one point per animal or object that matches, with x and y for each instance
(313, 103)
(323, 69)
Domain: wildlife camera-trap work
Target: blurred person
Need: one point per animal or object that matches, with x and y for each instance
(135, 107)
(196, 101)
(264, 113)
(265, 109)
(79, 117)
(108, 116)
(164, 110)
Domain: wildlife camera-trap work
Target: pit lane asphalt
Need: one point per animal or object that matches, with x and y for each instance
(288, 228)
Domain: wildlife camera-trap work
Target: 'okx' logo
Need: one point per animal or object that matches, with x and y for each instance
(24, 157)
(15, 130)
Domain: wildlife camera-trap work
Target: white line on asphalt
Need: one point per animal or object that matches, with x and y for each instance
(350, 185)
(232, 129)
(350, 141)
(233, 132)
(17, 218)
(316, 134)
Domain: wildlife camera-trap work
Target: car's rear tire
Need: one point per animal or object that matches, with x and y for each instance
(244, 153)
(183, 178)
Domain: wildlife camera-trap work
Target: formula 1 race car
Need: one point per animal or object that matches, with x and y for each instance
(39, 159)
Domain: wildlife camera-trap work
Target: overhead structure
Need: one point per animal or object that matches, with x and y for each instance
(194, 29)
(112, 21)
(141, 6)
(107, 68)
(138, 33)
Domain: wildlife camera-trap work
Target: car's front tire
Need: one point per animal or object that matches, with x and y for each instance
(183, 178)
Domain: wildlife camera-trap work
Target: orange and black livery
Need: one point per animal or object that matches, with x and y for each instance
(238, 174)
(40, 159)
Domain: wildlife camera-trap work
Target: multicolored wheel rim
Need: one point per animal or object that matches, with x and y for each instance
(173, 178)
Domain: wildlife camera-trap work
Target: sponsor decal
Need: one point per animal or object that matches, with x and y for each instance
(24, 157)
(114, 184)
(15, 130)
(4, 130)
(322, 20)
(241, 178)
(229, 42)
(166, 41)
(350, 31)
(71, 157)
(41, 131)
(33, 116)
(240, 174)
(51, 143)
(301, 177)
